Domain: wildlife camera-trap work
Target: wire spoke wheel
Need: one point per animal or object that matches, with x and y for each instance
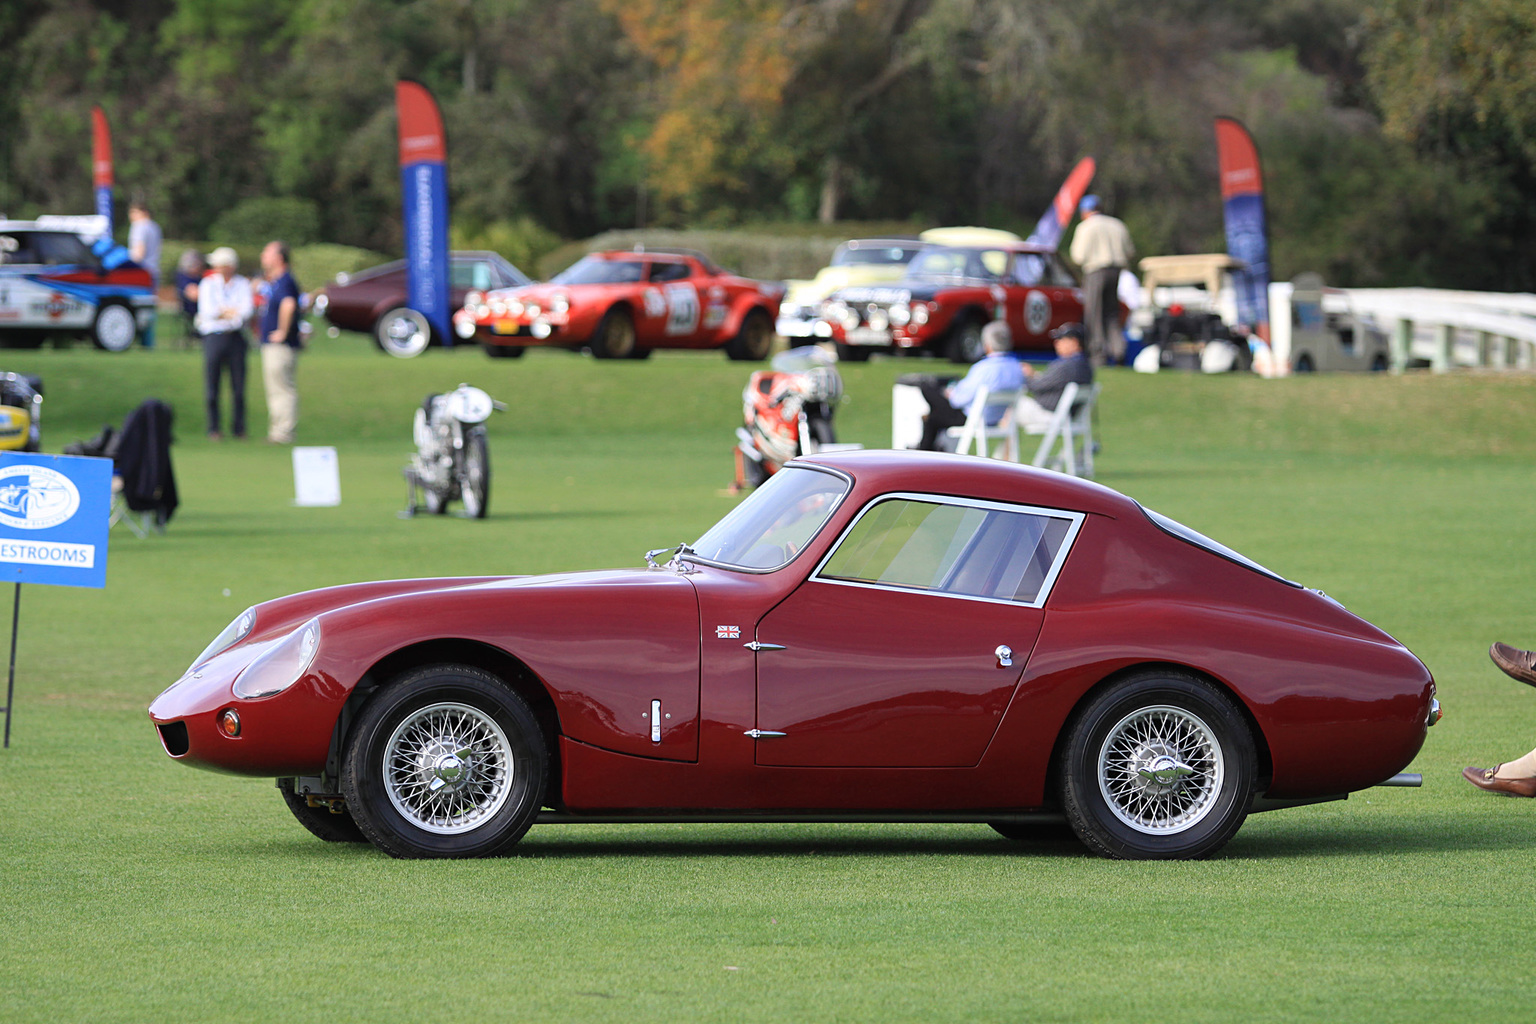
(1160, 769)
(448, 768)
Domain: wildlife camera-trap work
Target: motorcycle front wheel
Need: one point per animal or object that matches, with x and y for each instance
(475, 476)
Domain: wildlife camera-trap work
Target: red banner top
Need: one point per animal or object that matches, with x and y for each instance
(101, 149)
(421, 125)
(1238, 159)
(1071, 192)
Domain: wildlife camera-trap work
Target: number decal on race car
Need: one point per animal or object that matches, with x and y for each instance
(655, 305)
(1037, 312)
(682, 309)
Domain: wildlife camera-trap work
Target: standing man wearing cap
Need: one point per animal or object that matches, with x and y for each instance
(223, 307)
(1102, 247)
(280, 344)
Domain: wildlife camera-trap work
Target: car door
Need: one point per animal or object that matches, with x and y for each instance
(905, 645)
(680, 298)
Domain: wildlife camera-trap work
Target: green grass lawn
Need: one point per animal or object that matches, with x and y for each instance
(135, 889)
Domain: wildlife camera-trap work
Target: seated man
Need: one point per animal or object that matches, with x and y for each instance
(997, 371)
(1045, 386)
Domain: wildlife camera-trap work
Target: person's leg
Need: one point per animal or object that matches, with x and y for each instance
(1109, 309)
(1093, 316)
(941, 415)
(1032, 414)
(237, 384)
(1521, 768)
(287, 412)
(270, 384)
(213, 360)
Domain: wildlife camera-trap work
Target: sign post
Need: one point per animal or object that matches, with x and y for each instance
(54, 513)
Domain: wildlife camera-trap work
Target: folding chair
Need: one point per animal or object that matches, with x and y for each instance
(975, 433)
(1071, 427)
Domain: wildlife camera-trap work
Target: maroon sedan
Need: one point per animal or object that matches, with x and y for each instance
(373, 300)
(1063, 654)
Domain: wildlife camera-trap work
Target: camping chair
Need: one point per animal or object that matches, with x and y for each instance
(975, 433)
(143, 481)
(1071, 427)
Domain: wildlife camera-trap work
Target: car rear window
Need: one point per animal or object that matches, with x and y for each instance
(1177, 529)
(955, 547)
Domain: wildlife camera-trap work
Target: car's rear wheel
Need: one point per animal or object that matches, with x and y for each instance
(615, 335)
(753, 340)
(965, 341)
(403, 333)
(445, 762)
(1159, 766)
(115, 328)
(333, 826)
(503, 351)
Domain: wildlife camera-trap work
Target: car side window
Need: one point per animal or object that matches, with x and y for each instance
(983, 550)
(1029, 268)
(59, 249)
(1058, 274)
(668, 271)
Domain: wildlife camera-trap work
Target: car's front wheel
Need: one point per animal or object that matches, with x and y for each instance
(403, 333)
(445, 761)
(1159, 766)
(615, 335)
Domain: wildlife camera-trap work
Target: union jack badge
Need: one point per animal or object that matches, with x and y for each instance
(727, 632)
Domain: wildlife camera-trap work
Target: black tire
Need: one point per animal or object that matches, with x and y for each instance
(965, 341)
(615, 335)
(1304, 364)
(1379, 364)
(22, 339)
(402, 332)
(114, 328)
(852, 353)
(503, 351)
(1035, 832)
(754, 339)
(475, 480)
(404, 742)
(640, 353)
(1125, 729)
(331, 826)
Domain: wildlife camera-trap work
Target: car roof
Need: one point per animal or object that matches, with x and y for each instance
(971, 476)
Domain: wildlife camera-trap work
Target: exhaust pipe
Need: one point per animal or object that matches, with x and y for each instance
(1410, 779)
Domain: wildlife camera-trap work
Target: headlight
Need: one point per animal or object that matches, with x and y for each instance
(281, 665)
(532, 309)
(877, 318)
(514, 307)
(498, 308)
(232, 634)
(900, 315)
(473, 299)
(919, 312)
(849, 317)
(321, 302)
(559, 304)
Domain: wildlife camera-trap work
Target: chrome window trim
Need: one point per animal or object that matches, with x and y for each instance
(696, 559)
(1046, 585)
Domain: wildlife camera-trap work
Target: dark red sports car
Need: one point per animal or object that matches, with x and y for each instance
(373, 300)
(870, 636)
(626, 303)
(949, 293)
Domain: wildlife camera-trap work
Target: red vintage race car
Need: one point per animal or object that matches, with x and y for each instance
(624, 304)
(949, 293)
(1063, 654)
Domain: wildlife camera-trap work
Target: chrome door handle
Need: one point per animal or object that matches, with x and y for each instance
(759, 734)
(1004, 656)
(755, 646)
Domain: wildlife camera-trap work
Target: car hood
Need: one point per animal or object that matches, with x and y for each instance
(830, 279)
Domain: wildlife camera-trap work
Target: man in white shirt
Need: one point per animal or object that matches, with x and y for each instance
(1102, 247)
(144, 249)
(223, 306)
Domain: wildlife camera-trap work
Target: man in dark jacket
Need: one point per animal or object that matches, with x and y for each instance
(1045, 386)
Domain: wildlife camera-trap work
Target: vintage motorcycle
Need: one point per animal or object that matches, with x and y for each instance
(452, 460)
(787, 412)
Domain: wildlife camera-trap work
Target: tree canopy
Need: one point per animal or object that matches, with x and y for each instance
(1399, 136)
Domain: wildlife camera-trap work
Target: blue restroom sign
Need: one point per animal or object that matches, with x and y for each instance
(54, 513)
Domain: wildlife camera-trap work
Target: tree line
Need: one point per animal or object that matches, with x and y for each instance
(1398, 136)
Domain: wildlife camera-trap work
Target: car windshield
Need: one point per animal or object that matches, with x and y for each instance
(986, 264)
(595, 270)
(857, 253)
(775, 523)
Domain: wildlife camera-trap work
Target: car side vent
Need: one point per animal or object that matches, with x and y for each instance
(174, 738)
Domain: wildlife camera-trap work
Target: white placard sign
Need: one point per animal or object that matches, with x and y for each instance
(316, 477)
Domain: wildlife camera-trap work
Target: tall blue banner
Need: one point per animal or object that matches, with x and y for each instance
(424, 200)
(1242, 194)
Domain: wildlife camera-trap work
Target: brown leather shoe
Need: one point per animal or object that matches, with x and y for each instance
(1483, 778)
(1515, 663)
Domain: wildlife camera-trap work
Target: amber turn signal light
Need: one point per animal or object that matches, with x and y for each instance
(229, 722)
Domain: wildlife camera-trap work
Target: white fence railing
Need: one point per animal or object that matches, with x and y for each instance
(1450, 328)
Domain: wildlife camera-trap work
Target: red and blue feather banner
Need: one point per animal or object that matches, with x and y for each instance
(424, 199)
(101, 164)
(1242, 196)
(1059, 215)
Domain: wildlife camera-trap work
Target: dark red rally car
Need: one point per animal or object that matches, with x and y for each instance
(625, 303)
(949, 293)
(373, 300)
(1063, 654)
